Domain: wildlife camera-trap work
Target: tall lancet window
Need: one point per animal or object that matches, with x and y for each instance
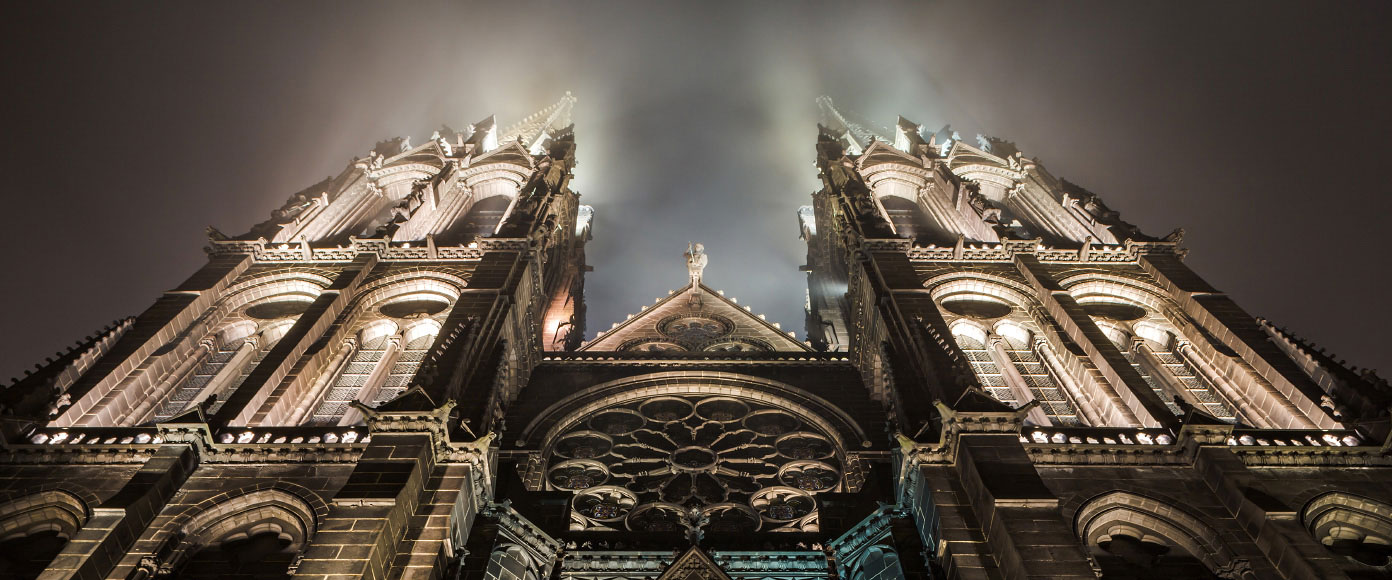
(221, 350)
(1034, 377)
(972, 341)
(1157, 349)
(376, 343)
(1013, 373)
(1151, 351)
(217, 367)
(416, 341)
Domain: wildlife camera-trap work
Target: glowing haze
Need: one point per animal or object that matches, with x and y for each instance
(132, 126)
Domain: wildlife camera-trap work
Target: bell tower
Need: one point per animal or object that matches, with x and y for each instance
(1019, 331)
(372, 332)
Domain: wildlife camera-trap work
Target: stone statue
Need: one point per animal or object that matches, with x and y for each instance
(695, 262)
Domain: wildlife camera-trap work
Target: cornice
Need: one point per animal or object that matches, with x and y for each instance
(1130, 251)
(263, 251)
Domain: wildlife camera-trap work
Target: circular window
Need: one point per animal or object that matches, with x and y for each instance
(1114, 311)
(976, 308)
(279, 309)
(718, 455)
(695, 329)
(413, 307)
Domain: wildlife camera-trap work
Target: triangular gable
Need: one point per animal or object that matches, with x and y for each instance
(963, 154)
(695, 320)
(880, 152)
(694, 565)
(508, 152)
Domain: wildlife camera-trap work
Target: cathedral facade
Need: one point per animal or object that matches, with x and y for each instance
(999, 379)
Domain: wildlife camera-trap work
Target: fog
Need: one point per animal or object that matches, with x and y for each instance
(1259, 127)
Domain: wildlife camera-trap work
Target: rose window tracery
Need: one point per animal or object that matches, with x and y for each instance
(695, 329)
(724, 463)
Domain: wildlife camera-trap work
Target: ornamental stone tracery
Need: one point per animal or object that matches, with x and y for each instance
(726, 463)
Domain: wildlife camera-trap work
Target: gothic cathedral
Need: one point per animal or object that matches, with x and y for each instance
(390, 379)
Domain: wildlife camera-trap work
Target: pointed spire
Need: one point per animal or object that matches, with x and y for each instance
(858, 135)
(535, 129)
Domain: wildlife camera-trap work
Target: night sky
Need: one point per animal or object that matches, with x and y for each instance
(1262, 129)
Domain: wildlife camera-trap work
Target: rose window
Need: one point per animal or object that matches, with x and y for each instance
(666, 462)
(695, 329)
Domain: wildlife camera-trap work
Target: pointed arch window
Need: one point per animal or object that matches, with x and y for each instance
(228, 360)
(985, 367)
(1035, 378)
(378, 343)
(416, 342)
(1153, 354)
(380, 369)
(1013, 373)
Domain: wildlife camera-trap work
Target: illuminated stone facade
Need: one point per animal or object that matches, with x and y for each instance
(389, 379)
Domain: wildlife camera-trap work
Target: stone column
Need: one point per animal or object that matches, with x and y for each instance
(1081, 398)
(324, 381)
(1147, 359)
(996, 346)
(1252, 413)
(171, 380)
(230, 372)
(375, 380)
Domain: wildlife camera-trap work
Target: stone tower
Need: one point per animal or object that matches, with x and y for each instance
(389, 379)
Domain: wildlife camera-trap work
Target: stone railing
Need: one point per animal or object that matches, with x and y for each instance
(1097, 435)
(1295, 438)
(93, 436)
(1240, 437)
(265, 251)
(227, 436)
(1005, 251)
(292, 435)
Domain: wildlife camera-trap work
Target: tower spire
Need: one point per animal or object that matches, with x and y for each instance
(857, 134)
(535, 129)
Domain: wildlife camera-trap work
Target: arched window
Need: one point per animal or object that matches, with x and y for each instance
(1133, 536)
(1357, 528)
(252, 536)
(1152, 353)
(511, 562)
(909, 220)
(1013, 373)
(380, 369)
(376, 343)
(416, 341)
(34, 529)
(222, 349)
(483, 218)
(987, 371)
(1157, 350)
(1034, 377)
